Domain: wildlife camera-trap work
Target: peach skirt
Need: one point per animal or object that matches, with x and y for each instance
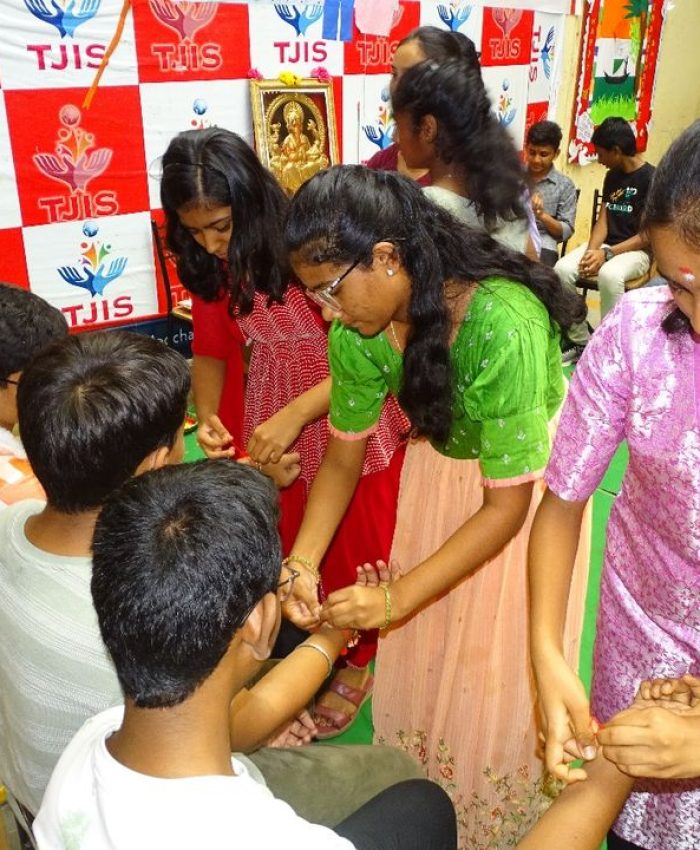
(453, 684)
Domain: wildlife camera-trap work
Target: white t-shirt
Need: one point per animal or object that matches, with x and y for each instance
(95, 803)
(54, 669)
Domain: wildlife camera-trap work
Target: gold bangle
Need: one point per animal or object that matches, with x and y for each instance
(309, 645)
(387, 606)
(305, 562)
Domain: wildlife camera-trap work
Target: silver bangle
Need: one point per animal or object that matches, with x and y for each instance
(322, 651)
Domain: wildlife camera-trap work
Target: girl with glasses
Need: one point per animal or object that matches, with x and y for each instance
(224, 215)
(465, 334)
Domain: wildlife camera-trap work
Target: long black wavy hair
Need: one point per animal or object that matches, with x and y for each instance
(339, 216)
(469, 134)
(674, 202)
(212, 168)
(441, 45)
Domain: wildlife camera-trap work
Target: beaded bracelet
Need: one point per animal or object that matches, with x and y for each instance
(387, 606)
(322, 651)
(305, 562)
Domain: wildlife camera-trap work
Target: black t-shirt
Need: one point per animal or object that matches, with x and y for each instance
(624, 196)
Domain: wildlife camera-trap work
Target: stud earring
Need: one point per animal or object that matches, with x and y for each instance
(390, 272)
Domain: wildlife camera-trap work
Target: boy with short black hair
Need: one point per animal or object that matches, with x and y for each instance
(27, 324)
(553, 193)
(186, 583)
(617, 250)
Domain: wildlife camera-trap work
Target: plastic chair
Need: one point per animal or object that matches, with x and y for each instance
(565, 243)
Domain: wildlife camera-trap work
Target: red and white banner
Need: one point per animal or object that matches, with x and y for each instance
(78, 185)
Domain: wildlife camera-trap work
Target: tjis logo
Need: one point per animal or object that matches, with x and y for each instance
(507, 20)
(547, 53)
(454, 14)
(64, 15)
(506, 110)
(75, 162)
(185, 19)
(380, 49)
(381, 133)
(94, 272)
(300, 17)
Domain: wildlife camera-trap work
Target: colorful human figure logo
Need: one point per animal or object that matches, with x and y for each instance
(93, 273)
(381, 133)
(76, 160)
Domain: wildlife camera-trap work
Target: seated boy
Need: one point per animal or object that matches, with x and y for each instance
(94, 410)
(553, 194)
(186, 584)
(617, 251)
(27, 324)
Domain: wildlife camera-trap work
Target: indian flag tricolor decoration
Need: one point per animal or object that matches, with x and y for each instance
(619, 48)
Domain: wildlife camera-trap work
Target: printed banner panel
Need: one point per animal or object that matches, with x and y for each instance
(10, 215)
(507, 88)
(290, 37)
(190, 41)
(467, 18)
(52, 44)
(371, 54)
(368, 125)
(73, 163)
(97, 271)
(170, 108)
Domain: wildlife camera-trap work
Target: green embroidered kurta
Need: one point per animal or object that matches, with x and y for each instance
(507, 380)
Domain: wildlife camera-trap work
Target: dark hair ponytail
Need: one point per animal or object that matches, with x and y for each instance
(469, 134)
(216, 167)
(440, 45)
(342, 213)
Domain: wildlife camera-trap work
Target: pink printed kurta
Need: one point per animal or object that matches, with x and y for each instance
(638, 384)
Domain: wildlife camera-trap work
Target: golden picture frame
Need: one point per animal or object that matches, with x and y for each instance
(295, 129)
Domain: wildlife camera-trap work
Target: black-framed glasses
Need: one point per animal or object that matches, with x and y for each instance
(324, 296)
(284, 587)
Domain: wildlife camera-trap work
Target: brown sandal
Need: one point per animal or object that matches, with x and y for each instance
(341, 720)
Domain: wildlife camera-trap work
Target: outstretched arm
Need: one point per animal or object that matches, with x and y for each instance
(581, 816)
(282, 693)
(486, 532)
(563, 701)
(329, 498)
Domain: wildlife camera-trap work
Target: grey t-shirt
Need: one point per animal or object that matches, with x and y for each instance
(512, 234)
(54, 668)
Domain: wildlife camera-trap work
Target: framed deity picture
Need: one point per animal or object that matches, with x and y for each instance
(295, 129)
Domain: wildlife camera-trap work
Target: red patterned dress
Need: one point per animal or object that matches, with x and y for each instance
(289, 357)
